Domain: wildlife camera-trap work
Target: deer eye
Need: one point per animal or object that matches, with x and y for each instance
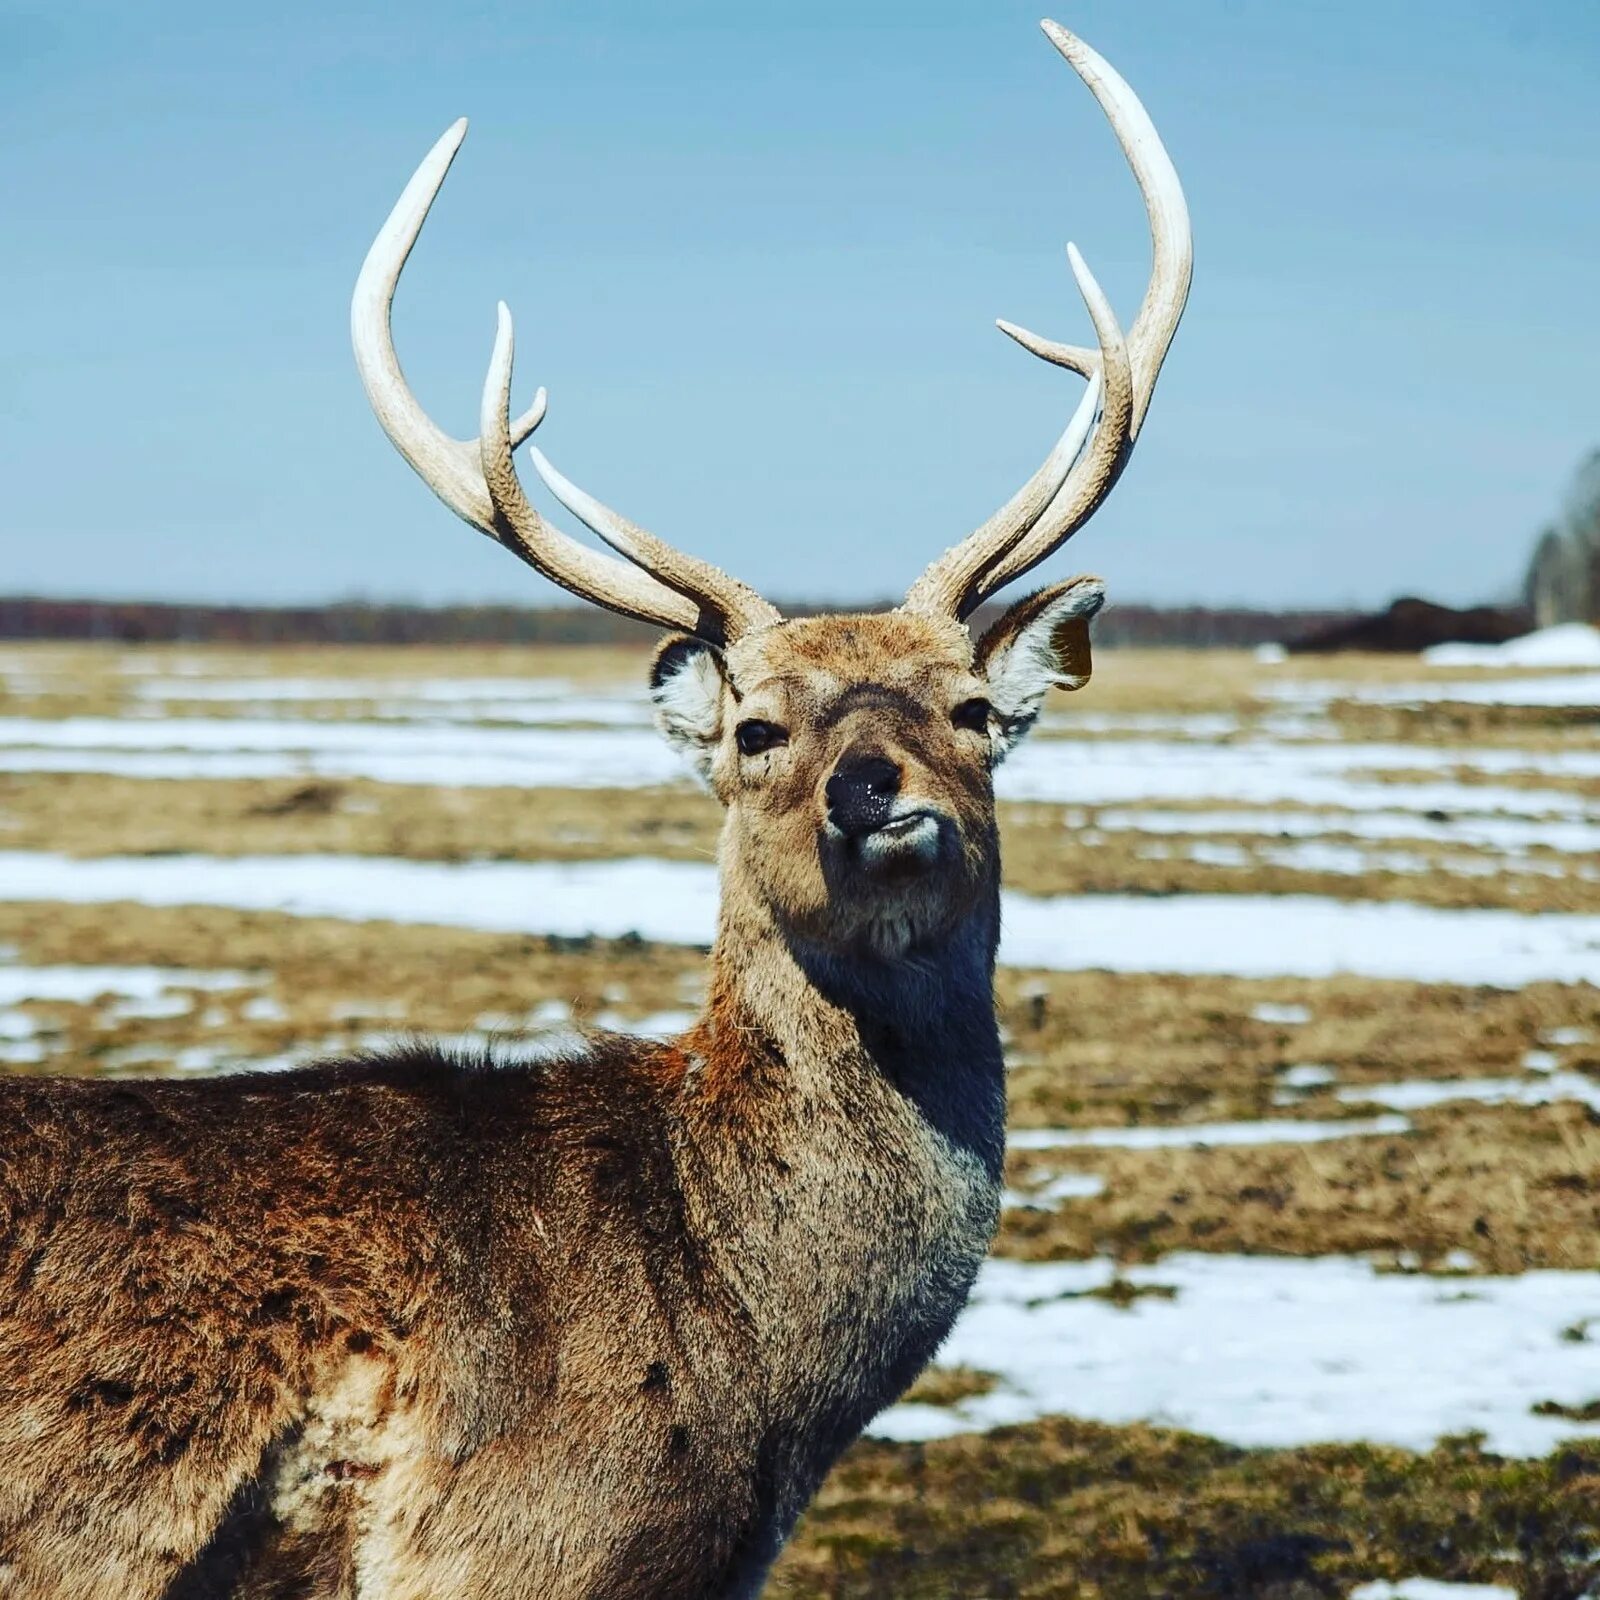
(972, 715)
(755, 736)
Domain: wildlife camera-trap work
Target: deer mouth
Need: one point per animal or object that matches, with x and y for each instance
(909, 842)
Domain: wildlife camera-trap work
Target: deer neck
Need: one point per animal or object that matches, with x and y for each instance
(818, 1029)
(848, 1140)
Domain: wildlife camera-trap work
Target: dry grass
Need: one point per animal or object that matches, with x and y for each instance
(1530, 778)
(948, 1386)
(1063, 1510)
(1444, 722)
(93, 814)
(330, 982)
(1045, 853)
(1512, 1188)
(1516, 1188)
(103, 665)
(1105, 1049)
(1058, 1508)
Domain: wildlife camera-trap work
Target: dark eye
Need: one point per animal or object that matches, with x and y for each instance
(755, 736)
(973, 715)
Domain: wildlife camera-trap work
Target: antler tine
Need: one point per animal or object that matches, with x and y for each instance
(448, 466)
(1025, 532)
(692, 577)
(1171, 239)
(1074, 357)
(956, 583)
(477, 479)
(583, 571)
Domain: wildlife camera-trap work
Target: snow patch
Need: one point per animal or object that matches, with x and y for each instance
(231, 747)
(1430, 1589)
(1573, 689)
(1568, 644)
(1052, 1195)
(1306, 1075)
(1276, 1351)
(1286, 1015)
(1495, 833)
(1419, 1094)
(1085, 771)
(83, 984)
(675, 902)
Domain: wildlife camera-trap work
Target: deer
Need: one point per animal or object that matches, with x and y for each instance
(593, 1321)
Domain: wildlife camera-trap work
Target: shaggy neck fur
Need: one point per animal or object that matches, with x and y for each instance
(915, 1031)
(870, 1094)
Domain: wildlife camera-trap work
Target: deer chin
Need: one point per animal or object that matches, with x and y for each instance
(897, 891)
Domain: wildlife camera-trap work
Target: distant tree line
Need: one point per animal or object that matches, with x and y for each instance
(1563, 583)
(355, 623)
(348, 622)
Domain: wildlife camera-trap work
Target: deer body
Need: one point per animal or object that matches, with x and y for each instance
(358, 1330)
(593, 1324)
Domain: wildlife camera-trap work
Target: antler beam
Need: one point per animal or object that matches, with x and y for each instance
(1067, 490)
(477, 479)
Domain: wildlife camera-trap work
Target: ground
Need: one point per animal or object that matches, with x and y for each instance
(1383, 1120)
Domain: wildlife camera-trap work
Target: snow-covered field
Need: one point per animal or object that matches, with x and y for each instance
(1261, 769)
(1306, 774)
(1553, 689)
(675, 902)
(1265, 1351)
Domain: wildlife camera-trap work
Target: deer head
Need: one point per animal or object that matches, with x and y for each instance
(853, 753)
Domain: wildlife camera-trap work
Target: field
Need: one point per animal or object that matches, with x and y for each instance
(1298, 1287)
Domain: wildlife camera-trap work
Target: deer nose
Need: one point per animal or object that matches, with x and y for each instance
(861, 794)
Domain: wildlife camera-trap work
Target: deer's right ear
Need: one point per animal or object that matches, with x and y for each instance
(686, 682)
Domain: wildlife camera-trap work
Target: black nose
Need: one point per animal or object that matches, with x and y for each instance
(861, 793)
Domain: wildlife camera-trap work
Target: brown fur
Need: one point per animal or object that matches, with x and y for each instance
(414, 1327)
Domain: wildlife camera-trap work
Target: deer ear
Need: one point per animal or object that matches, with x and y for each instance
(1041, 643)
(686, 682)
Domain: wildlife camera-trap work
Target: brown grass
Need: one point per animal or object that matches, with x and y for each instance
(93, 814)
(1525, 727)
(317, 971)
(1512, 1188)
(948, 1386)
(1061, 1509)
(1104, 1049)
(1058, 1508)
(1045, 852)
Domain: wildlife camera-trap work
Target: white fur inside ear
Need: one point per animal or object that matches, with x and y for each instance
(1050, 650)
(686, 689)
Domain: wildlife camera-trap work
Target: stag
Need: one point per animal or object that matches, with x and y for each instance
(411, 1325)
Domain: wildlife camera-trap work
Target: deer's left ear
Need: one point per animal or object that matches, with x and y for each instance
(1041, 643)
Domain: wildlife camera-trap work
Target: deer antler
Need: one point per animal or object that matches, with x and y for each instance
(1066, 491)
(478, 481)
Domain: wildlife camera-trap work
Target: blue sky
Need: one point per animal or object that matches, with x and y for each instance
(755, 253)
